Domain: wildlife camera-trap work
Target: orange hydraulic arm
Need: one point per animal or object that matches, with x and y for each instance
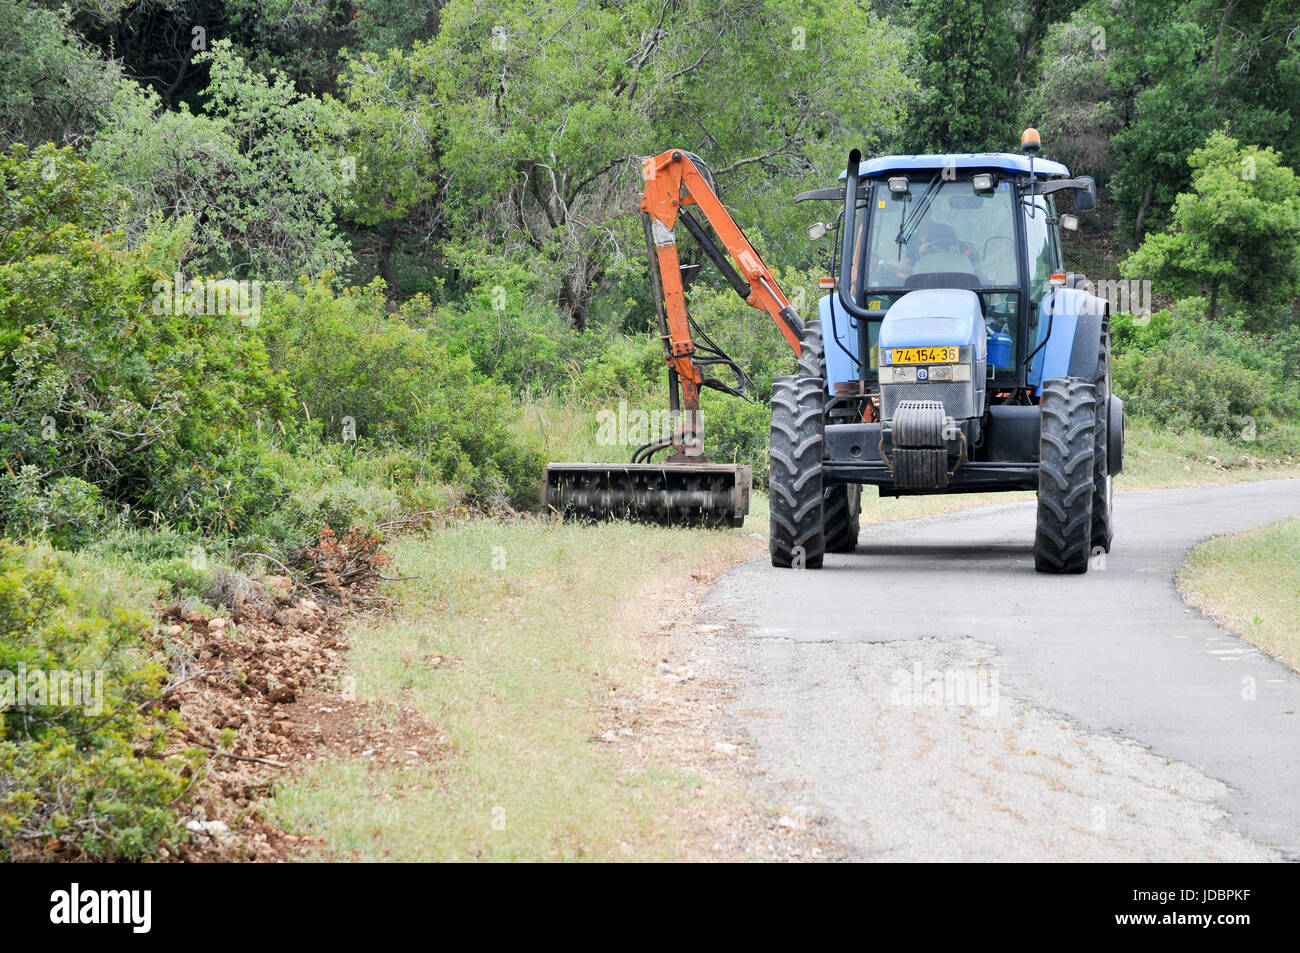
(673, 181)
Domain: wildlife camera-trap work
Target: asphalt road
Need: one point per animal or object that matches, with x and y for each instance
(932, 697)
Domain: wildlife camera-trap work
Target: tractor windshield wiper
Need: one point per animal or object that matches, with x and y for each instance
(911, 222)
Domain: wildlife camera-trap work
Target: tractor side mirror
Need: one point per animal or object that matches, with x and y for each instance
(1085, 199)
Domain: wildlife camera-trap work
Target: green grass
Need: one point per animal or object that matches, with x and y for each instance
(1250, 584)
(1156, 458)
(545, 623)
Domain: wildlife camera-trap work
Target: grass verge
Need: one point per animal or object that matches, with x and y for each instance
(1250, 584)
(511, 638)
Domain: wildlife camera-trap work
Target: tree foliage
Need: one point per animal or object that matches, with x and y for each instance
(1235, 234)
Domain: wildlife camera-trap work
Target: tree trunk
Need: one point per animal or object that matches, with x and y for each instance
(1214, 300)
(575, 298)
(387, 239)
(1140, 221)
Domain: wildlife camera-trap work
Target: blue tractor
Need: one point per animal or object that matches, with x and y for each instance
(955, 355)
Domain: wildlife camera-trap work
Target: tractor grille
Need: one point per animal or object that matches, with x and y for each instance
(957, 397)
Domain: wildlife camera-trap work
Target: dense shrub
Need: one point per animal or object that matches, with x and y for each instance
(158, 411)
(1185, 372)
(364, 374)
(1184, 388)
(89, 775)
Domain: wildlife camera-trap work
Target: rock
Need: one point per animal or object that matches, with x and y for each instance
(216, 625)
(609, 737)
(175, 630)
(217, 830)
(787, 821)
(281, 696)
(723, 747)
(289, 618)
(282, 584)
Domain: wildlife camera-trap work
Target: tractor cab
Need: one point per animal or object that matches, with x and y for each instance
(984, 223)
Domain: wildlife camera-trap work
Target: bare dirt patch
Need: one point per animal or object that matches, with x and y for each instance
(261, 688)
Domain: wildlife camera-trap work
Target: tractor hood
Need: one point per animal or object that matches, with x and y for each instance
(936, 317)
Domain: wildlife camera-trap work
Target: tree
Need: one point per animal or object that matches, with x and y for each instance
(547, 110)
(257, 174)
(1235, 235)
(967, 51)
(1131, 90)
(52, 84)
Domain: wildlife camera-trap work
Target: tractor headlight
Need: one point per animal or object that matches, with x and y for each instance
(982, 181)
(898, 185)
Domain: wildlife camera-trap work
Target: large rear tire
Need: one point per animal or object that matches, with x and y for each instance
(842, 506)
(796, 537)
(1063, 538)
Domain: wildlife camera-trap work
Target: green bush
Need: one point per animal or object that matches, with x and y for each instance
(158, 411)
(1230, 372)
(90, 775)
(66, 510)
(1182, 387)
(366, 375)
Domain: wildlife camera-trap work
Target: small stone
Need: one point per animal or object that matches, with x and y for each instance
(723, 747)
(609, 737)
(174, 630)
(216, 625)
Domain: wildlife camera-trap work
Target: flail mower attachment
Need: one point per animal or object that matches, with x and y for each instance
(686, 489)
(711, 495)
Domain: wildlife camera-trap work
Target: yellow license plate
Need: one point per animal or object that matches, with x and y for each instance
(924, 355)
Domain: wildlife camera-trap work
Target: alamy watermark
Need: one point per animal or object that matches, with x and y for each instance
(59, 688)
(1124, 296)
(950, 688)
(631, 426)
(216, 297)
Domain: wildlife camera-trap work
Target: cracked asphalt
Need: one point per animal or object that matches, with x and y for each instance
(931, 697)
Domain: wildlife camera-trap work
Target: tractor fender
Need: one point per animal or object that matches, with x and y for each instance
(1072, 320)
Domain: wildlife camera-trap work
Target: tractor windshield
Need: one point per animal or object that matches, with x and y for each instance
(944, 234)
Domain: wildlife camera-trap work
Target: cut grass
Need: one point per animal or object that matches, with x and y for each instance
(1250, 584)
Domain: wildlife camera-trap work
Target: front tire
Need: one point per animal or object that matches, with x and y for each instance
(796, 537)
(1063, 538)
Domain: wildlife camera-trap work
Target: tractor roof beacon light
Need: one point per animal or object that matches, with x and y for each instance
(1030, 143)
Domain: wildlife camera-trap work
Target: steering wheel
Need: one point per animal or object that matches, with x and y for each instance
(965, 249)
